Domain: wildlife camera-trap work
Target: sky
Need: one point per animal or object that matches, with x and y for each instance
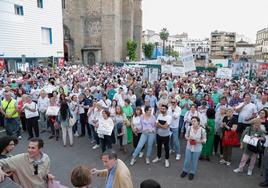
(199, 17)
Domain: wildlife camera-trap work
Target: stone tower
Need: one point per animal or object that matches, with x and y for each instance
(98, 30)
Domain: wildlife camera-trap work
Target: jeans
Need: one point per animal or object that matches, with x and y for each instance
(266, 168)
(181, 125)
(191, 161)
(90, 131)
(95, 135)
(32, 124)
(12, 126)
(162, 140)
(174, 141)
(65, 130)
(145, 137)
(84, 124)
(75, 127)
(217, 142)
(43, 121)
(106, 143)
(244, 160)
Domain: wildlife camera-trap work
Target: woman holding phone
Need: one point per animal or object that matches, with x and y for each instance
(195, 136)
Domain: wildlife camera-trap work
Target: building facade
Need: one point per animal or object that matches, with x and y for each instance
(222, 45)
(245, 49)
(30, 31)
(98, 30)
(261, 50)
(200, 48)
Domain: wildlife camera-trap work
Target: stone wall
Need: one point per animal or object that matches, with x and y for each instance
(103, 25)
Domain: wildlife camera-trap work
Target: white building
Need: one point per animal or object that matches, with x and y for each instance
(30, 30)
(243, 48)
(179, 42)
(200, 48)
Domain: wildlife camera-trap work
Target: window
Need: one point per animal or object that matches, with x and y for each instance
(40, 3)
(18, 10)
(46, 35)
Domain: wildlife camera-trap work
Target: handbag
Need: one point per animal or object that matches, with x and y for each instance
(254, 144)
(72, 121)
(230, 138)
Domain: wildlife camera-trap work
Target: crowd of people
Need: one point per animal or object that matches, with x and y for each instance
(118, 107)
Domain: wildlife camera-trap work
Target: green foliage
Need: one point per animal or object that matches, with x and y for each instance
(148, 50)
(131, 49)
(164, 34)
(173, 53)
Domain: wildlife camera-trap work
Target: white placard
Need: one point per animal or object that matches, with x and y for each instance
(105, 128)
(153, 75)
(188, 60)
(52, 111)
(250, 140)
(224, 73)
(166, 69)
(178, 71)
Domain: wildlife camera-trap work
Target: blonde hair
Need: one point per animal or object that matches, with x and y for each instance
(255, 121)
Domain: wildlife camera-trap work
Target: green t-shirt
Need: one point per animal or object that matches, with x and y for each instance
(184, 109)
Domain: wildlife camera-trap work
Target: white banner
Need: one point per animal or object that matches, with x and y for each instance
(166, 69)
(224, 73)
(153, 75)
(178, 71)
(105, 129)
(52, 111)
(188, 60)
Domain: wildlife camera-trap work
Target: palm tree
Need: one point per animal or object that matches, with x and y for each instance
(164, 34)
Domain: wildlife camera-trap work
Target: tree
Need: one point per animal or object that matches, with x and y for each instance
(148, 50)
(131, 49)
(164, 34)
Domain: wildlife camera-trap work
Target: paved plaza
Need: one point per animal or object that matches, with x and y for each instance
(210, 174)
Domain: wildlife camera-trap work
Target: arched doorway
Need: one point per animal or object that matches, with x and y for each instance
(91, 58)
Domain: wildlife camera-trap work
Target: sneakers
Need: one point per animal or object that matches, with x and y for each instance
(132, 162)
(147, 160)
(228, 163)
(183, 174)
(96, 146)
(92, 141)
(156, 160)
(178, 157)
(191, 176)
(166, 163)
(76, 134)
(249, 173)
(222, 161)
(140, 154)
(237, 170)
(171, 151)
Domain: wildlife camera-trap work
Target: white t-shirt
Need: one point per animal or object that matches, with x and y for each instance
(167, 118)
(43, 104)
(246, 112)
(175, 114)
(136, 121)
(28, 113)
